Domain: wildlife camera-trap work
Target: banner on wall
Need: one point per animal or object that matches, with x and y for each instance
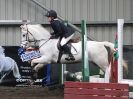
(7, 78)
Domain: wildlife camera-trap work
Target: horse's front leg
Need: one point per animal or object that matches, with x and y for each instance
(35, 70)
(38, 67)
(42, 60)
(40, 63)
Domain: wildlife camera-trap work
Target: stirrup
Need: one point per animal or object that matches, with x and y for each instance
(70, 58)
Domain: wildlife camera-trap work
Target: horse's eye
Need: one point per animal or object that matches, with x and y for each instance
(23, 35)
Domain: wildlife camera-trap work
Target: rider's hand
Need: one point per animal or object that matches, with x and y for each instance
(52, 33)
(52, 37)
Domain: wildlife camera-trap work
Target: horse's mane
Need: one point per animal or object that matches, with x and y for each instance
(41, 26)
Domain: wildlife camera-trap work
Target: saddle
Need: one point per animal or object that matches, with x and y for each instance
(64, 50)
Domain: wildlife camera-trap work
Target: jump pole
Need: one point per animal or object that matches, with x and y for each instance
(85, 70)
(120, 23)
(62, 68)
(120, 48)
(85, 58)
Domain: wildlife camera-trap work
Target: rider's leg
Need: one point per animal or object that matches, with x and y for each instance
(65, 40)
(66, 48)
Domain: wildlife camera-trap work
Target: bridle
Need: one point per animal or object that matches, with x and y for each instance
(27, 34)
(34, 40)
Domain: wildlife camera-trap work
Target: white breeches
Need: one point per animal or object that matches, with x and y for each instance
(65, 40)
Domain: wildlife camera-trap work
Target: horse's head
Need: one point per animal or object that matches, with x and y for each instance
(33, 33)
(24, 36)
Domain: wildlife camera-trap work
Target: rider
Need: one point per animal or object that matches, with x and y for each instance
(60, 30)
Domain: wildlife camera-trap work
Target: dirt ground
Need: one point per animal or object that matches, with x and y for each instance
(30, 92)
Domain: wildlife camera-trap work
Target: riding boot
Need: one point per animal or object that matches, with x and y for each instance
(68, 50)
(71, 57)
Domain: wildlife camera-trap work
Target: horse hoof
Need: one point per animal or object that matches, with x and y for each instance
(72, 59)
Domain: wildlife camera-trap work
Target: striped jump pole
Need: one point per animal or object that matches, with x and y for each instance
(116, 68)
(120, 24)
(119, 64)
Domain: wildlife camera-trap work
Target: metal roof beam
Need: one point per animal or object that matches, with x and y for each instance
(11, 22)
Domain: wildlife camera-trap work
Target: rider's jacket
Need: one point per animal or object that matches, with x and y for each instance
(60, 29)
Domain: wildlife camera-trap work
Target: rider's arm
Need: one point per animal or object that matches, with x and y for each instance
(57, 28)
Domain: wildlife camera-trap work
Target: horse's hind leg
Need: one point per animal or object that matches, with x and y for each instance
(106, 68)
(107, 75)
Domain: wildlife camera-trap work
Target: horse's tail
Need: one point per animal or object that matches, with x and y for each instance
(110, 50)
(16, 70)
(125, 67)
(111, 46)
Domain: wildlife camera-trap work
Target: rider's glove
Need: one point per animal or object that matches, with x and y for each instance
(52, 37)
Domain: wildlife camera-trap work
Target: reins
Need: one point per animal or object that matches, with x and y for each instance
(44, 42)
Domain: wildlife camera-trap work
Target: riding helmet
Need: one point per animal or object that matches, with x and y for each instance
(51, 13)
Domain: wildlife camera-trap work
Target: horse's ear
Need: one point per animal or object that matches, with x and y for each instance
(21, 26)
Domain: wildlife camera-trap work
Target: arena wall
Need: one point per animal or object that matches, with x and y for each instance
(101, 16)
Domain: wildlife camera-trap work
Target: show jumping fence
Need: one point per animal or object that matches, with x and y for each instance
(87, 90)
(84, 90)
(120, 52)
